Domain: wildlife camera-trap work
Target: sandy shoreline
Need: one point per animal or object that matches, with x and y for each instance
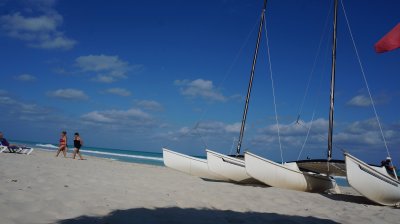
(40, 188)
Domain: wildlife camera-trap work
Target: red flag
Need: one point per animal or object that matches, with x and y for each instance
(390, 41)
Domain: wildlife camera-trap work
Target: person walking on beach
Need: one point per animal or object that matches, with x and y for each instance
(77, 144)
(63, 144)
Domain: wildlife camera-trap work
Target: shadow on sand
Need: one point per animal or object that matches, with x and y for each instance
(190, 215)
(249, 183)
(350, 198)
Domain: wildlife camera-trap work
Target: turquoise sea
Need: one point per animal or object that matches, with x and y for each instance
(150, 158)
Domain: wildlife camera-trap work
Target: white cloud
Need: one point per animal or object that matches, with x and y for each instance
(364, 101)
(107, 68)
(200, 88)
(104, 79)
(319, 125)
(233, 128)
(358, 135)
(68, 94)
(150, 105)
(366, 133)
(25, 78)
(293, 134)
(37, 31)
(96, 116)
(209, 129)
(359, 101)
(101, 62)
(361, 126)
(118, 91)
(120, 119)
(43, 23)
(57, 41)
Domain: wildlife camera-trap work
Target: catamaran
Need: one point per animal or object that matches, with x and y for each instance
(373, 182)
(377, 183)
(306, 175)
(220, 166)
(233, 166)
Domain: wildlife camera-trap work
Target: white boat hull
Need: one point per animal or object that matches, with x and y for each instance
(373, 183)
(287, 175)
(189, 165)
(229, 167)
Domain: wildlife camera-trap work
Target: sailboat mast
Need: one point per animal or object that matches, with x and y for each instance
(332, 94)
(246, 106)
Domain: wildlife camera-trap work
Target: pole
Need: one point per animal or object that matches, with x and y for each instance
(332, 94)
(246, 106)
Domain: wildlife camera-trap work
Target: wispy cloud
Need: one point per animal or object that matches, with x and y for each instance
(3, 92)
(319, 126)
(150, 105)
(118, 91)
(132, 119)
(199, 88)
(211, 127)
(208, 129)
(359, 101)
(366, 134)
(25, 78)
(358, 135)
(364, 101)
(17, 109)
(38, 31)
(68, 94)
(107, 68)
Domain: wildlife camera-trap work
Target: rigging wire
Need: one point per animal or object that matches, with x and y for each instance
(308, 134)
(233, 145)
(201, 136)
(323, 137)
(314, 63)
(236, 58)
(367, 86)
(317, 102)
(309, 81)
(273, 89)
(365, 80)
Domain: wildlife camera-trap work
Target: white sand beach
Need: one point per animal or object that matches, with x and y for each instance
(40, 188)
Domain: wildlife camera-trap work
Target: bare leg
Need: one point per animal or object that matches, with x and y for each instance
(65, 152)
(74, 154)
(59, 150)
(80, 156)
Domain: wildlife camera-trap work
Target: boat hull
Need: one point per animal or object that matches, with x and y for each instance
(373, 183)
(286, 176)
(229, 167)
(189, 165)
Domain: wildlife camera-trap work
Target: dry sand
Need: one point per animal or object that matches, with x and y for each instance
(40, 188)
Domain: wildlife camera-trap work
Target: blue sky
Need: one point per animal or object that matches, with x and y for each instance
(140, 75)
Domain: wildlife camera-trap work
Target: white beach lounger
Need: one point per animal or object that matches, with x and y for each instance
(2, 148)
(19, 150)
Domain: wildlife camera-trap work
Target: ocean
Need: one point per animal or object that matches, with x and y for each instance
(149, 158)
